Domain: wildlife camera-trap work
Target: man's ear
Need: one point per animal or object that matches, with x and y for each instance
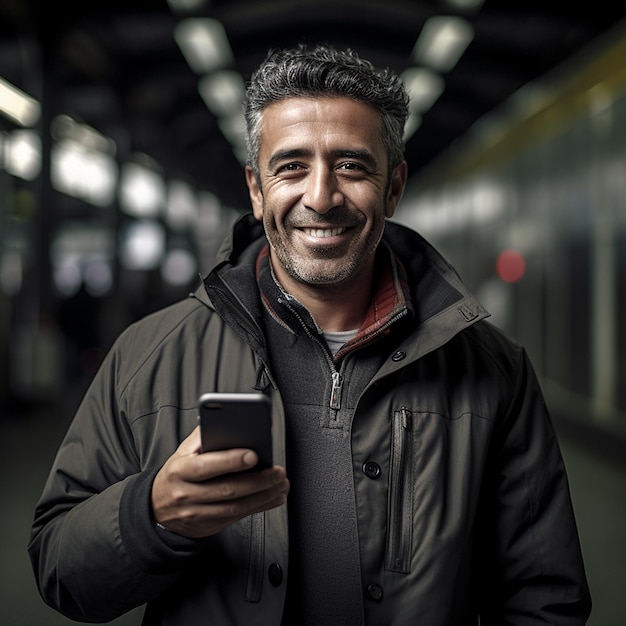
(396, 188)
(256, 195)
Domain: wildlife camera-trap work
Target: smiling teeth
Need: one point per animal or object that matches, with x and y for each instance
(324, 232)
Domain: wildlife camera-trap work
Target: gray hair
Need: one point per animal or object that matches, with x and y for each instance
(324, 71)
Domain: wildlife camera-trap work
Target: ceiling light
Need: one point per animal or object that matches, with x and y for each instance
(185, 5)
(223, 92)
(241, 154)
(142, 245)
(22, 154)
(65, 127)
(17, 105)
(141, 191)
(204, 44)
(423, 86)
(181, 210)
(442, 42)
(83, 173)
(413, 122)
(233, 128)
(458, 4)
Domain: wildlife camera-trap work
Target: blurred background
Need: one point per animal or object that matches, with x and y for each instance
(121, 161)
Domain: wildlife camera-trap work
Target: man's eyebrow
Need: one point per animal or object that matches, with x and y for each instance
(284, 155)
(360, 155)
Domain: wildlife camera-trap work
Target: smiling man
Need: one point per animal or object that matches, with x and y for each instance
(323, 190)
(418, 479)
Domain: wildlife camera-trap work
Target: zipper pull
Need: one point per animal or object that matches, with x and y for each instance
(406, 419)
(335, 392)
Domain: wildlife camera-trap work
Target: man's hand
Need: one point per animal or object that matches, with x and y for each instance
(198, 494)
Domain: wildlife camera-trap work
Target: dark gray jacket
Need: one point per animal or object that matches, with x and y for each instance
(468, 513)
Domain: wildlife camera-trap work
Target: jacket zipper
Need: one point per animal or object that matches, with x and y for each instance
(399, 532)
(256, 548)
(254, 582)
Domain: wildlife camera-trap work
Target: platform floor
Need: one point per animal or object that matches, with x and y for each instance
(29, 440)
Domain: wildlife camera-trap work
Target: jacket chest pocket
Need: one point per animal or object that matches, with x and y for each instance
(254, 581)
(400, 506)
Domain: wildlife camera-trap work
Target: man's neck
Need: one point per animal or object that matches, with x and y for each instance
(333, 307)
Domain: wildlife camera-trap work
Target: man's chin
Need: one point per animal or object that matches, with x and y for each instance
(322, 277)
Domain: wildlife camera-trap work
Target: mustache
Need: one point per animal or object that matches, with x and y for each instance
(337, 216)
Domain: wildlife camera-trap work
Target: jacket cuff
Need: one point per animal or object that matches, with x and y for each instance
(154, 551)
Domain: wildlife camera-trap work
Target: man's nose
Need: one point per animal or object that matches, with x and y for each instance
(322, 191)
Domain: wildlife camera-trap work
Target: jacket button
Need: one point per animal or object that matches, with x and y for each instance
(275, 574)
(398, 355)
(375, 592)
(371, 470)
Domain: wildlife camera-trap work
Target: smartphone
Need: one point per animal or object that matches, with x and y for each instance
(237, 420)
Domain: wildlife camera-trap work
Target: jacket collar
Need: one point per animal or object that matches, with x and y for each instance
(421, 279)
(390, 303)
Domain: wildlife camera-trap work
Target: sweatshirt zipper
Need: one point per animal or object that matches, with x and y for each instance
(337, 380)
(335, 393)
(399, 532)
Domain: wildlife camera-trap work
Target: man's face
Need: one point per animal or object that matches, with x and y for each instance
(325, 189)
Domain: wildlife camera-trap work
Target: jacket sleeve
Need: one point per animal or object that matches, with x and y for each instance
(530, 554)
(95, 551)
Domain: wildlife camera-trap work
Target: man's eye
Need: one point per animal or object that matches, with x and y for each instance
(289, 167)
(350, 165)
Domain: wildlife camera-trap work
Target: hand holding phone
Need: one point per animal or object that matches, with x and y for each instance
(203, 480)
(237, 420)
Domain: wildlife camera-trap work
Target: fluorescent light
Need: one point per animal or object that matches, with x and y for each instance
(23, 154)
(142, 245)
(185, 5)
(182, 206)
(142, 191)
(83, 173)
(413, 122)
(17, 105)
(462, 4)
(456, 209)
(442, 42)
(223, 92)
(204, 44)
(240, 154)
(233, 128)
(65, 127)
(423, 86)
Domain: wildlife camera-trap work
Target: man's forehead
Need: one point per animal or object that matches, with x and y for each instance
(340, 118)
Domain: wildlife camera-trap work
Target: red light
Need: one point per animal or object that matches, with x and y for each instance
(510, 266)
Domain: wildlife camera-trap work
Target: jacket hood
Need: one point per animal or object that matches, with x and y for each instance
(247, 231)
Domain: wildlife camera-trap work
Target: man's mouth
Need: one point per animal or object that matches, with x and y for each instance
(322, 233)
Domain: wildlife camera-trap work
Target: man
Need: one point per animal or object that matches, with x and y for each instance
(425, 480)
